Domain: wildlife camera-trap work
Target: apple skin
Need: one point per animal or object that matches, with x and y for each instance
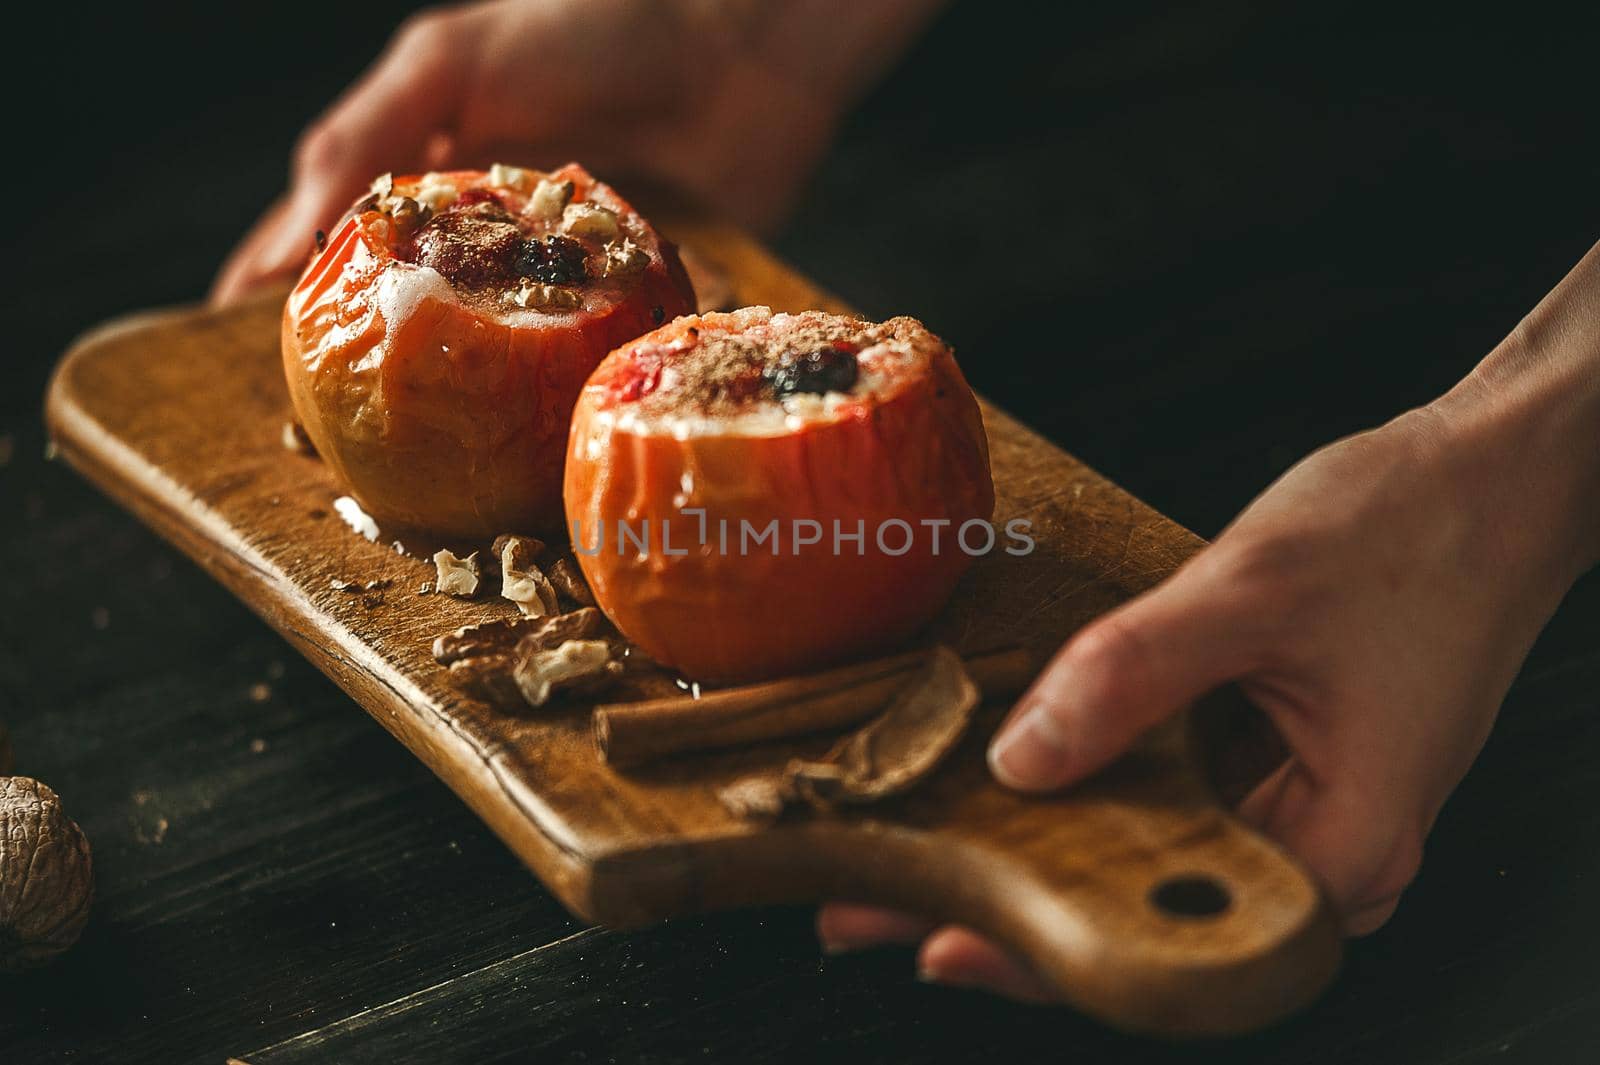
(450, 421)
(731, 615)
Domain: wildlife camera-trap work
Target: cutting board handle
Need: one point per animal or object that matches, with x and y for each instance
(1136, 896)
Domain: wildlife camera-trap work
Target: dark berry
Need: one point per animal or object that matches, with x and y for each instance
(817, 372)
(552, 261)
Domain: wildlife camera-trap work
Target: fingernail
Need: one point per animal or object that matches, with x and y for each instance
(1030, 752)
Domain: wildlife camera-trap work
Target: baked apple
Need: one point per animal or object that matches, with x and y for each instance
(752, 494)
(436, 343)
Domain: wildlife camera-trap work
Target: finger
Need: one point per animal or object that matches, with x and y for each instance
(1369, 919)
(1122, 674)
(961, 957)
(384, 123)
(1363, 855)
(238, 274)
(847, 926)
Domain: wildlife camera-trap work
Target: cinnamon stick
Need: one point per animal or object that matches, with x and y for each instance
(632, 734)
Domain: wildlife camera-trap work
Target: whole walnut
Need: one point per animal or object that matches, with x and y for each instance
(46, 875)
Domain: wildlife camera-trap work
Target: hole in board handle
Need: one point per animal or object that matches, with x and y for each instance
(1192, 896)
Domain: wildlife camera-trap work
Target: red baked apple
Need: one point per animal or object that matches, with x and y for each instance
(435, 346)
(752, 494)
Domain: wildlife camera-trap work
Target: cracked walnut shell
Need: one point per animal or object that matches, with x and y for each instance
(46, 876)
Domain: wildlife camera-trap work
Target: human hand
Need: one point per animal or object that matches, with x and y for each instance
(1375, 603)
(731, 101)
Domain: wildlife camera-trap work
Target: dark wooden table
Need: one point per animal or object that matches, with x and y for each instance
(1256, 232)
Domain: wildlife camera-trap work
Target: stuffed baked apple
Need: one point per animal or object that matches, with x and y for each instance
(437, 342)
(752, 494)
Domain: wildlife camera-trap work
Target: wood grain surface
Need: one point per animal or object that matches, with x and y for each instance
(178, 416)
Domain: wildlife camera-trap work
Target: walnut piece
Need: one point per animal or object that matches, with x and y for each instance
(545, 297)
(590, 220)
(435, 191)
(456, 576)
(509, 177)
(568, 581)
(521, 581)
(488, 677)
(532, 546)
(504, 635)
(623, 257)
(576, 665)
(549, 199)
(553, 631)
(46, 876)
(407, 215)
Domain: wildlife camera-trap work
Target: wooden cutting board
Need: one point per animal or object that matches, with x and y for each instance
(1141, 899)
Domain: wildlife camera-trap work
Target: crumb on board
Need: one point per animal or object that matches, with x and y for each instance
(360, 521)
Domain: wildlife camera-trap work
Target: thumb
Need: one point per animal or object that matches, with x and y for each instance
(1348, 832)
(1122, 674)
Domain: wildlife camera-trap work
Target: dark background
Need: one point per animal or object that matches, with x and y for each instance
(1247, 232)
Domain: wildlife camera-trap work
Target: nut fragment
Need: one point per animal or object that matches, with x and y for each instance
(360, 521)
(456, 576)
(568, 580)
(573, 666)
(623, 257)
(589, 220)
(489, 678)
(509, 177)
(46, 875)
(549, 199)
(521, 581)
(408, 216)
(557, 629)
(504, 635)
(546, 297)
(532, 546)
(487, 637)
(435, 191)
